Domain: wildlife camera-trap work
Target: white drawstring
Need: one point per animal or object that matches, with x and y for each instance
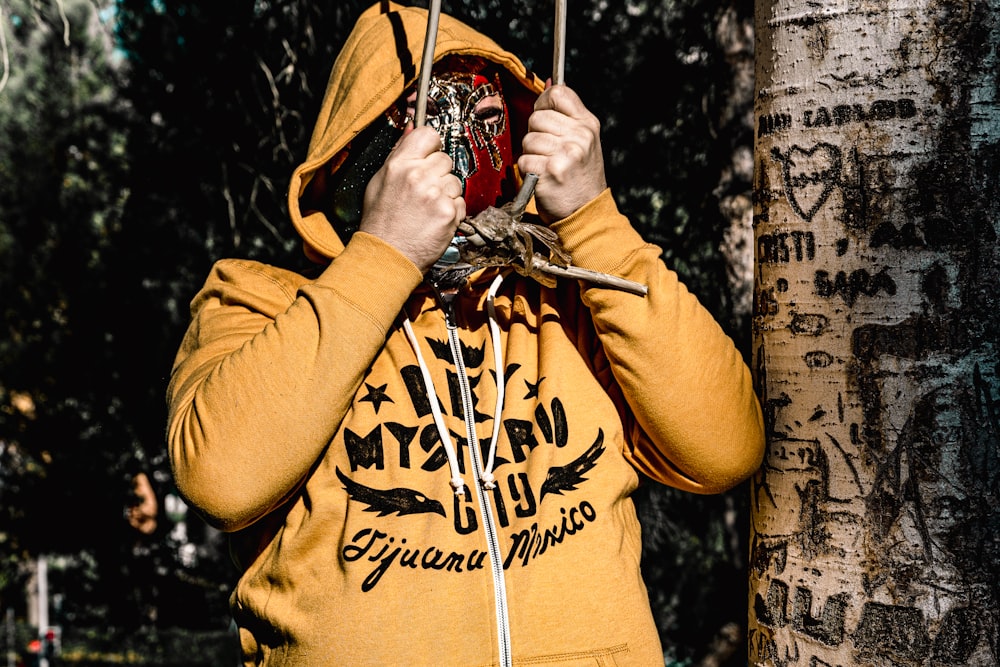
(485, 475)
(457, 483)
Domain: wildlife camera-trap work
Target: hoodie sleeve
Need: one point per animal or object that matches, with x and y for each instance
(697, 421)
(267, 370)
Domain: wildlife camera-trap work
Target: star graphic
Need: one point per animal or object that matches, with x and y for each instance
(376, 395)
(533, 388)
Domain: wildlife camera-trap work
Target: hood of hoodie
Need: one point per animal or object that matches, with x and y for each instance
(380, 59)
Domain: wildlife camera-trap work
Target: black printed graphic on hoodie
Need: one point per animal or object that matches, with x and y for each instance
(513, 488)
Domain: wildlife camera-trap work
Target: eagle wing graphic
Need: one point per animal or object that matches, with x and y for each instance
(567, 477)
(399, 501)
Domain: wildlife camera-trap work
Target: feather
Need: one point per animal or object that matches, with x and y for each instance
(499, 237)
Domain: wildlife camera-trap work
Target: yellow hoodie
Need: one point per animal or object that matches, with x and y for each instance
(321, 421)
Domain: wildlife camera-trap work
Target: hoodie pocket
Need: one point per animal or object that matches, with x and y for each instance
(612, 656)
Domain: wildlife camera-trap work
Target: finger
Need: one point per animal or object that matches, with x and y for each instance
(438, 165)
(546, 121)
(542, 143)
(419, 143)
(447, 185)
(533, 164)
(558, 123)
(559, 97)
(456, 189)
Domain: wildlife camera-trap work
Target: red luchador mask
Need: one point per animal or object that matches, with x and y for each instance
(466, 106)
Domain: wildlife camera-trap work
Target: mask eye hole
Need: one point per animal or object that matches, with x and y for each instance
(433, 109)
(488, 110)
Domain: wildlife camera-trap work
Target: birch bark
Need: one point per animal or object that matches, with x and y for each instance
(875, 516)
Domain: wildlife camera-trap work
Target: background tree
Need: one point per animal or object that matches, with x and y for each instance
(158, 136)
(62, 162)
(876, 513)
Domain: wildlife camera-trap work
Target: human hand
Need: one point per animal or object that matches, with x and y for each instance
(563, 147)
(414, 202)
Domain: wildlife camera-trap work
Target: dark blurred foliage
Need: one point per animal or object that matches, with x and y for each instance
(70, 427)
(141, 142)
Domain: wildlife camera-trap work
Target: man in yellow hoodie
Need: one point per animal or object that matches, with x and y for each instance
(424, 469)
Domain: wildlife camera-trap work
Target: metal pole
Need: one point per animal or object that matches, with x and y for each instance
(43, 606)
(11, 638)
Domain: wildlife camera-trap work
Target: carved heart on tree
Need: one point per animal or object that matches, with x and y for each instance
(809, 175)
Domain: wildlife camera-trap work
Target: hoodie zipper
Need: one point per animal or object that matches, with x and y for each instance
(485, 508)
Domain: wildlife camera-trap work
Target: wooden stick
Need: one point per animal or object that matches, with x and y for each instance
(559, 44)
(523, 196)
(427, 62)
(595, 277)
(558, 67)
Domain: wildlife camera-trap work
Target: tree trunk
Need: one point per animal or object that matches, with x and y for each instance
(876, 515)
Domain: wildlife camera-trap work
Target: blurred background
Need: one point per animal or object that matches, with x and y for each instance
(141, 140)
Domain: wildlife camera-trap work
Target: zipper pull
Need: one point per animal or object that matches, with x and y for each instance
(446, 297)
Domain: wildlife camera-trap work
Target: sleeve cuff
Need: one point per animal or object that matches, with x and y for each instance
(598, 236)
(373, 274)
